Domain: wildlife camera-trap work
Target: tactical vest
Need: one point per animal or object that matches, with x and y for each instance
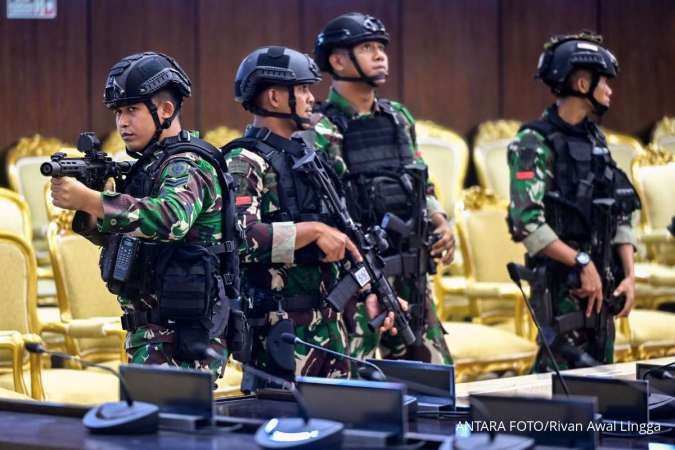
(583, 171)
(298, 199)
(375, 150)
(155, 261)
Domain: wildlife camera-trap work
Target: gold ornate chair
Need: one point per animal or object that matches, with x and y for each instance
(624, 149)
(19, 324)
(221, 135)
(487, 248)
(664, 134)
(446, 154)
(447, 157)
(88, 310)
(489, 155)
(15, 218)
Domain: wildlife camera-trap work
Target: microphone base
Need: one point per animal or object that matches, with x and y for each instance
(483, 441)
(293, 432)
(120, 418)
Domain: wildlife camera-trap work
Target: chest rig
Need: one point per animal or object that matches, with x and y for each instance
(375, 149)
(298, 199)
(585, 180)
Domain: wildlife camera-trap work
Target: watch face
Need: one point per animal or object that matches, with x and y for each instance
(583, 258)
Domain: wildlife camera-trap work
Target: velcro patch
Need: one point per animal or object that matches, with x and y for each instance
(243, 200)
(525, 175)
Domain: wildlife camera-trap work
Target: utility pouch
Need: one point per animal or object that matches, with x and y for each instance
(185, 282)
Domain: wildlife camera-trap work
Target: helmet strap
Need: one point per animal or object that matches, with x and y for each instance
(598, 108)
(300, 122)
(160, 126)
(362, 78)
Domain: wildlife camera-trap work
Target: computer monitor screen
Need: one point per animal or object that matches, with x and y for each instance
(174, 390)
(625, 400)
(358, 404)
(439, 377)
(559, 421)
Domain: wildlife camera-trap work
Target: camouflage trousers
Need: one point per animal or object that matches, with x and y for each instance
(323, 327)
(363, 342)
(154, 344)
(581, 341)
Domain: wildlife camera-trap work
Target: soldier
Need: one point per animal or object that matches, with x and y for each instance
(571, 205)
(168, 236)
(291, 254)
(369, 138)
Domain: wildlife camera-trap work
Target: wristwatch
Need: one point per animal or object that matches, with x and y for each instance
(581, 260)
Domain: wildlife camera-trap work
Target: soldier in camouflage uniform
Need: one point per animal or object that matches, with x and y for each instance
(352, 49)
(291, 255)
(173, 198)
(561, 172)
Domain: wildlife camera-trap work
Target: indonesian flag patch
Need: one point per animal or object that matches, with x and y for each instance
(525, 175)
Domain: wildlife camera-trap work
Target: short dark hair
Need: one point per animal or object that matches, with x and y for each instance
(168, 95)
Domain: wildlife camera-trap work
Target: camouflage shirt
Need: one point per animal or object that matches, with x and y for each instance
(268, 252)
(530, 180)
(327, 137)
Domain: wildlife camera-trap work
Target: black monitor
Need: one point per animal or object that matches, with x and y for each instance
(657, 383)
(361, 405)
(623, 400)
(174, 390)
(558, 421)
(439, 377)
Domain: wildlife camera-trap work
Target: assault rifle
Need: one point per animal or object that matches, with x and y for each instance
(93, 169)
(371, 245)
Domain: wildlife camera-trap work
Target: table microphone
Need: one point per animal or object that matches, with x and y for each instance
(375, 374)
(123, 417)
(289, 432)
(660, 372)
(516, 272)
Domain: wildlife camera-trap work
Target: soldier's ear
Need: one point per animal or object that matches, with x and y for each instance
(337, 60)
(165, 108)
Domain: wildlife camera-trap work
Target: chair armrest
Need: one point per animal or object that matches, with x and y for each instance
(659, 236)
(12, 341)
(94, 327)
(37, 390)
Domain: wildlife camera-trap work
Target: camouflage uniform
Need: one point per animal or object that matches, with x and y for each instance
(268, 264)
(363, 341)
(187, 208)
(531, 164)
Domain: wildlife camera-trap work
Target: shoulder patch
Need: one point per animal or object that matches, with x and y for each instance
(178, 169)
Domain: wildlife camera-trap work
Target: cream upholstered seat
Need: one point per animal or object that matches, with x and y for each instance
(477, 349)
(220, 136)
(19, 324)
(229, 385)
(624, 149)
(664, 134)
(489, 154)
(487, 248)
(91, 313)
(447, 157)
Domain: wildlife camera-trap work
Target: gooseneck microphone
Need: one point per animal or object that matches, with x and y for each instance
(123, 417)
(660, 372)
(288, 432)
(516, 272)
(375, 375)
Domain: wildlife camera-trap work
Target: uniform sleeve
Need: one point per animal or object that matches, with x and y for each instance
(328, 139)
(433, 205)
(255, 192)
(529, 161)
(184, 189)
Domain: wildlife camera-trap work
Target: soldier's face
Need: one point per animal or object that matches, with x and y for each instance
(603, 93)
(135, 125)
(304, 100)
(373, 59)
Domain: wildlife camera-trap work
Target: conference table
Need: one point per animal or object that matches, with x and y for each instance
(33, 425)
